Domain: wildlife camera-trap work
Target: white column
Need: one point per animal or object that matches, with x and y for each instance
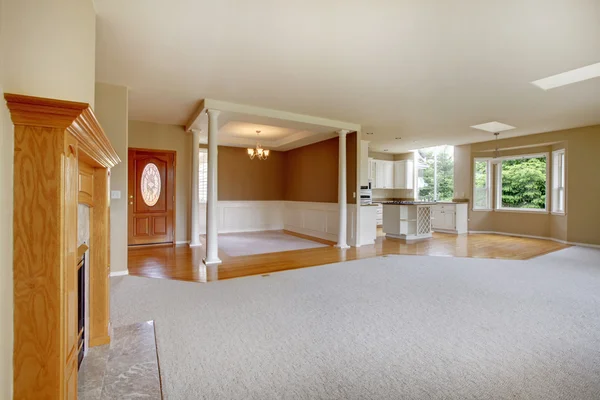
(195, 240)
(343, 231)
(212, 247)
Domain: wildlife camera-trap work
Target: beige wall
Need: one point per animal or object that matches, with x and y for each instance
(50, 48)
(462, 171)
(6, 239)
(47, 49)
(112, 112)
(147, 135)
(582, 149)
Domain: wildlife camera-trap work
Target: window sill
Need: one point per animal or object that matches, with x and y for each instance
(522, 210)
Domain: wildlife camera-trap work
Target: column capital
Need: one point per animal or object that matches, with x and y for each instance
(194, 131)
(212, 112)
(343, 132)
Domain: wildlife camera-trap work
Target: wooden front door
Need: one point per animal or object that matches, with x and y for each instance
(151, 196)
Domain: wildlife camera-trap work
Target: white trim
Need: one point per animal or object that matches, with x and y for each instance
(119, 273)
(597, 246)
(523, 210)
(482, 209)
(560, 214)
(182, 242)
(489, 183)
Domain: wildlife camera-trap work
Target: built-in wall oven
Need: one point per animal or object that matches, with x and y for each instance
(366, 194)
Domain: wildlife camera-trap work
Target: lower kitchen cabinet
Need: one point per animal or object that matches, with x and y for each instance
(450, 218)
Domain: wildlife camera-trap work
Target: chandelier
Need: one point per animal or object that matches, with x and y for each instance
(259, 152)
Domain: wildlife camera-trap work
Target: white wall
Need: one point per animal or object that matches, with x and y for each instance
(47, 49)
(112, 112)
(319, 220)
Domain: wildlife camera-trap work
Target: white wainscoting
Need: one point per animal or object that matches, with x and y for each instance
(245, 216)
(308, 218)
(318, 219)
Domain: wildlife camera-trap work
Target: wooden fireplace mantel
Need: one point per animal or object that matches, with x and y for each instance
(51, 137)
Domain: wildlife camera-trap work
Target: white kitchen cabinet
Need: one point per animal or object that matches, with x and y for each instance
(379, 214)
(450, 218)
(388, 174)
(372, 171)
(403, 174)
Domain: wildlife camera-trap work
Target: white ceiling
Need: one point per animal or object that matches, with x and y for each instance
(422, 70)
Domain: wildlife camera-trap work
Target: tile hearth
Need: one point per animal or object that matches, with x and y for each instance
(127, 368)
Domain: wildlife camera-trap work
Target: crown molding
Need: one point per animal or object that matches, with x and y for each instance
(76, 118)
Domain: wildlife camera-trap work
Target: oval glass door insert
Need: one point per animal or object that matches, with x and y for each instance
(150, 184)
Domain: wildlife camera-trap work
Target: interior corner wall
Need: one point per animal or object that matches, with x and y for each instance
(112, 112)
(312, 171)
(582, 149)
(148, 135)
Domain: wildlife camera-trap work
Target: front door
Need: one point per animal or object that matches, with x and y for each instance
(151, 196)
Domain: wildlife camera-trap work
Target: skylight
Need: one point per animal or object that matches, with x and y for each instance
(493, 127)
(569, 77)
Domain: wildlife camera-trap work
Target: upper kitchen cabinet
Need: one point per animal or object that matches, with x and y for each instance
(383, 174)
(404, 174)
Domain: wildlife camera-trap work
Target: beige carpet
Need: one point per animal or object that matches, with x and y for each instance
(398, 327)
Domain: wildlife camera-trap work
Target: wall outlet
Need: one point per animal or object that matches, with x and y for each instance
(115, 194)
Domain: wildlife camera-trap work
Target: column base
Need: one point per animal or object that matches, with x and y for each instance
(209, 263)
(342, 246)
(196, 244)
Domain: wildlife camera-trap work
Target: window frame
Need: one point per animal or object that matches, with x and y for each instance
(555, 189)
(489, 183)
(498, 184)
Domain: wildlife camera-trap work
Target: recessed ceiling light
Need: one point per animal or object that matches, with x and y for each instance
(385, 149)
(493, 127)
(398, 138)
(369, 133)
(569, 77)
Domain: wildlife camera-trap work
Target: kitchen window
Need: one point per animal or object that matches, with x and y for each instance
(203, 176)
(482, 184)
(521, 183)
(558, 181)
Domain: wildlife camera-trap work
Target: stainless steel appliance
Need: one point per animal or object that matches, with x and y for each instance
(366, 195)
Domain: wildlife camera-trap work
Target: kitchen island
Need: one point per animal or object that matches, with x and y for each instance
(408, 220)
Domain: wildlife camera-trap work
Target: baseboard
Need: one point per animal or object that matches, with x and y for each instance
(595, 246)
(119, 273)
(182, 242)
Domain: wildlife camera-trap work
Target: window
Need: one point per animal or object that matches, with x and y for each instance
(203, 175)
(558, 181)
(482, 184)
(150, 184)
(521, 183)
(435, 176)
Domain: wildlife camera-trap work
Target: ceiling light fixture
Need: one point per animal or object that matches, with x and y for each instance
(569, 77)
(496, 150)
(259, 152)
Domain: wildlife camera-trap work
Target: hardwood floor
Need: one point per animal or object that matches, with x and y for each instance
(185, 263)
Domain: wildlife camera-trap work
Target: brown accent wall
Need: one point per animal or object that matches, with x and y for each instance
(579, 225)
(312, 171)
(241, 178)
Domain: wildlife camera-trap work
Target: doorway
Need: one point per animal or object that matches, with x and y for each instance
(151, 198)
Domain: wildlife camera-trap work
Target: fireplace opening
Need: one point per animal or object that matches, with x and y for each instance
(81, 302)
